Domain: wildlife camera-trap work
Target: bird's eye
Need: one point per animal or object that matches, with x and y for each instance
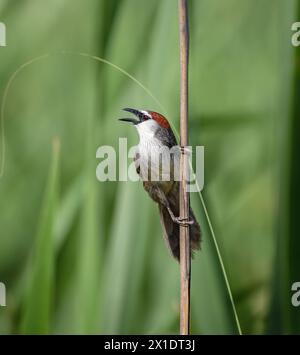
(145, 117)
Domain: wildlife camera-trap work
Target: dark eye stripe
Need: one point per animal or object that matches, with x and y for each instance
(143, 117)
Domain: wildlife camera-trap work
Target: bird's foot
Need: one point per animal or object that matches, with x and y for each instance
(184, 221)
(185, 150)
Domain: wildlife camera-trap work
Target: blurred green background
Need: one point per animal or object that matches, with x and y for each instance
(80, 256)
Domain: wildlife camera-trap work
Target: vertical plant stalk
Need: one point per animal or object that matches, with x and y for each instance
(185, 248)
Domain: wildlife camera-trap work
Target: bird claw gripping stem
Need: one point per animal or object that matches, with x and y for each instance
(185, 150)
(184, 221)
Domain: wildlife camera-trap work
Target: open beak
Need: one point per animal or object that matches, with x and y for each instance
(134, 121)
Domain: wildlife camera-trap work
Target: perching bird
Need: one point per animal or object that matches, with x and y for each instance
(159, 171)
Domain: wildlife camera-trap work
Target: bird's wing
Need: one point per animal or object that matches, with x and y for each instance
(166, 136)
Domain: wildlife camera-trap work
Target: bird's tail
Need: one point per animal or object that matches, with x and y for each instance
(171, 232)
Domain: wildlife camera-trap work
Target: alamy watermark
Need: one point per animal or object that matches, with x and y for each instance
(157, 164)
(296, 35)
(296, 294)
(2, 34)
(2, 295)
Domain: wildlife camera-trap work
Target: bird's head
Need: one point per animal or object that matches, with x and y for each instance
(146, 122)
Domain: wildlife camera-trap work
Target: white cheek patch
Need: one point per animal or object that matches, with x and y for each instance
(147, 128)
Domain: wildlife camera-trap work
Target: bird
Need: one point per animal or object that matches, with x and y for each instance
(157, 162)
